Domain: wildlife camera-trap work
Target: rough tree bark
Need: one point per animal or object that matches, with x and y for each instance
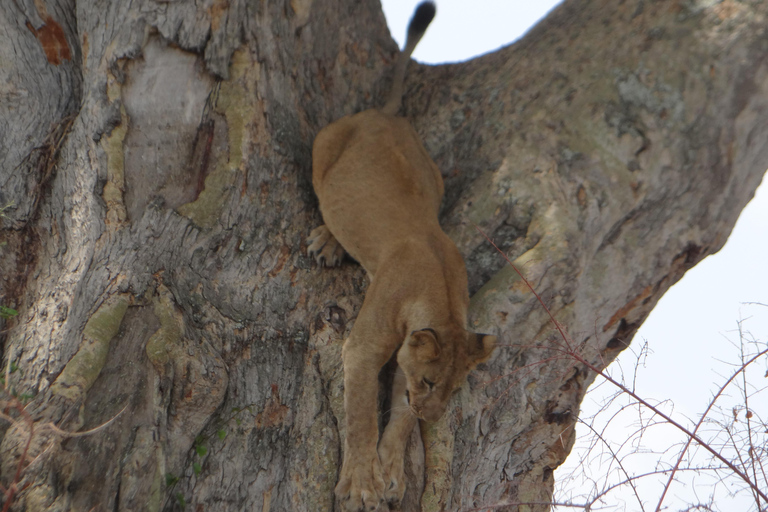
(155, 164)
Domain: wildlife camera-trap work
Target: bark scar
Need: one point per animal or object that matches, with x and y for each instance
(53, 41)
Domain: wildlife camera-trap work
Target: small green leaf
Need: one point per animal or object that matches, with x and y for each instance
(180, 499)
(221, 433)
(201, 450)
(197, 468)
(6, 312)
(170, 479)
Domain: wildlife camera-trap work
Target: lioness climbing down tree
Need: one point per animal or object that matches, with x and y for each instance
(379, 194)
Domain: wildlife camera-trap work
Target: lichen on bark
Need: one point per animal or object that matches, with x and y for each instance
(85, 366)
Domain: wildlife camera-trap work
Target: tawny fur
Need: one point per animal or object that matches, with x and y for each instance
(379, 194)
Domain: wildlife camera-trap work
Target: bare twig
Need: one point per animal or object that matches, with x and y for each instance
(568, 349)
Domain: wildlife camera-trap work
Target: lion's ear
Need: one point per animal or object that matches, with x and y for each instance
(424, 345)
(480, 347)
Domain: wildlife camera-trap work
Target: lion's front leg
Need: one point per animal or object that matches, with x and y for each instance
(361, 482)
(394, 441)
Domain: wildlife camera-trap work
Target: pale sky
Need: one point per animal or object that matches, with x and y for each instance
(691, 332)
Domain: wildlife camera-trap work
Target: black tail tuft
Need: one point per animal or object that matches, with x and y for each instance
(416, 28)
(421, 19)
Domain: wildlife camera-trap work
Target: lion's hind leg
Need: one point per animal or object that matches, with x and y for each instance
(324, 247)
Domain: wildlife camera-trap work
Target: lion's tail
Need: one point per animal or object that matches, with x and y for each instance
(416, 28)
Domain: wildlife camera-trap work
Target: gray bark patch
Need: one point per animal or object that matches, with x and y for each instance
(164, 96)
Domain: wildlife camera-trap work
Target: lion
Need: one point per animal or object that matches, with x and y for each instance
(379, 193)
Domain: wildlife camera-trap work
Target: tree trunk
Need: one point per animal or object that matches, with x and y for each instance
(155, 166)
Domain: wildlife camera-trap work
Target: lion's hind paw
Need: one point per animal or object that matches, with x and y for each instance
(324, 247)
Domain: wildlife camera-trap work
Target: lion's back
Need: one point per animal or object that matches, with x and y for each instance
(375, 182)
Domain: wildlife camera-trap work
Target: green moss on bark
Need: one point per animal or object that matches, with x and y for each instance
(84, 368)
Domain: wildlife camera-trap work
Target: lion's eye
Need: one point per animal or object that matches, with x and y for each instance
(428, 383)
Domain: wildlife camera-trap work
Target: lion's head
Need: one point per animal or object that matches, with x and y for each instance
(436, 362)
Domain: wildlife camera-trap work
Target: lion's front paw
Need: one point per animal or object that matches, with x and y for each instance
(324, 247)
(361, 486)
(393, 462)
